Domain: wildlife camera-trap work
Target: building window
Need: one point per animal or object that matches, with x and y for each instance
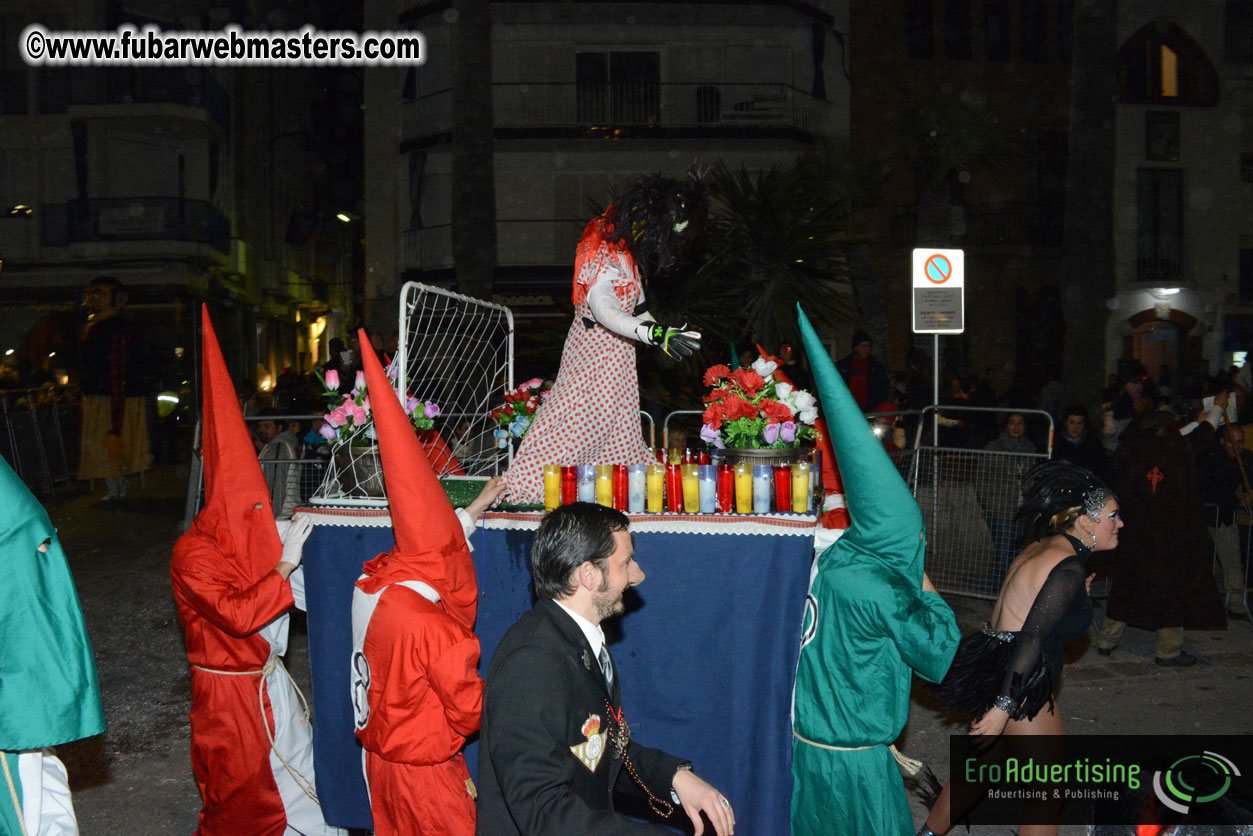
(1246, 279)
(1161, 64)
(996, 30)
(1065, 29)
(1238, 31)
(920, 29)
(1161, 135)
(957, 40)
(1246, 168)
(1048, 157)
(618, 88)
(1034, 28)
(1159, 224)
(13, 98)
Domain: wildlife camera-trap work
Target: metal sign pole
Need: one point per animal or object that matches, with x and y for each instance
(935, 390)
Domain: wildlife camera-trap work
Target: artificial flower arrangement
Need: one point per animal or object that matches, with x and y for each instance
(350, 419)
(749, 408)
(515, 416)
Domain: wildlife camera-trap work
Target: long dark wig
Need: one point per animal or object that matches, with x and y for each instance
(658, 219)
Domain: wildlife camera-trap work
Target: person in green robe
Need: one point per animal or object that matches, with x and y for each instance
(49, 694)
(871, 618)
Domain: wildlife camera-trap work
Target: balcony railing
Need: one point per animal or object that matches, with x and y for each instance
(134, 219)
(1159, 270)
(189, 86)
(992, 224)
(606, 107)
(519, 242)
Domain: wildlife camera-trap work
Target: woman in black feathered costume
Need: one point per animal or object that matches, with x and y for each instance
(1006, 674)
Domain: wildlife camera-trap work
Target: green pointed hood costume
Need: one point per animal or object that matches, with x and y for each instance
(867, 627)
(48, 688)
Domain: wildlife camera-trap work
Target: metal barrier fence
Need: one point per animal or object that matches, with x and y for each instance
(968, 496)
(39, 435)
(292, 481)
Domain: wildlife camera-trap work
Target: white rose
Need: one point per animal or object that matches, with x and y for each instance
(803, 400)
(808, 416)
(783, 392)
(764, 367)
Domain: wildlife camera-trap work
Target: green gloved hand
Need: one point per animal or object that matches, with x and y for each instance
(675, 341)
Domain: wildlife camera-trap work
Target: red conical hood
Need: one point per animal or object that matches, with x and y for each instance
(237, 514)
(430, 546)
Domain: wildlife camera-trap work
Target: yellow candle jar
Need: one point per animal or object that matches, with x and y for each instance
(691, 488)
(604, 485)
(800, 487)
(656, 477)
(552, 486)
(743, 488)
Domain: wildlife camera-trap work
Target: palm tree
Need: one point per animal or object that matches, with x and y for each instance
(775, 238)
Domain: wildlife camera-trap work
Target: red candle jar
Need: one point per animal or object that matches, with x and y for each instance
(569, 487)
(783, 487)
(674, 488)
(726, 489)
(702, 457)
(620, 487)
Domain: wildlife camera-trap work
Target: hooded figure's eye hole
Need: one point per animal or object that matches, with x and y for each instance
(257, 507)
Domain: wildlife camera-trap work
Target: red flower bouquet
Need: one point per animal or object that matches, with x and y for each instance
(748, 408)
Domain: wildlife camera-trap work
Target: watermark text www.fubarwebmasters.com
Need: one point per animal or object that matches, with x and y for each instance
(151, 46)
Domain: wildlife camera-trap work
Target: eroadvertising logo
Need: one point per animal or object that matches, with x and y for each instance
(1194, 779)
(1101, 779)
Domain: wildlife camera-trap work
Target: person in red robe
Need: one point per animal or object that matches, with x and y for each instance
(251, 747)
(415, 688)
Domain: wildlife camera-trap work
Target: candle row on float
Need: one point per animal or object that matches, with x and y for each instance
(683, 488)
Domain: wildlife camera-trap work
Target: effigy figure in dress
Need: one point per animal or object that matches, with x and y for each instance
(592, 415)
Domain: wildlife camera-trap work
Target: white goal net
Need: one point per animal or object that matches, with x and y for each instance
(457, 353)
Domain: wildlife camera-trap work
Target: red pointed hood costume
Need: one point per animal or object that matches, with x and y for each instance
(237, 515)
(230, 603)
(430, 546)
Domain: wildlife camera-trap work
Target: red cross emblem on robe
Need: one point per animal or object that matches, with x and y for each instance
(1155, 476)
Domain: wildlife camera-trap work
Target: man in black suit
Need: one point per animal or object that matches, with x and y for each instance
(554, 742)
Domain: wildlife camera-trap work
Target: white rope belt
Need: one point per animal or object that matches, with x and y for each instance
(274, 662)
(17, 804)
(910, 765)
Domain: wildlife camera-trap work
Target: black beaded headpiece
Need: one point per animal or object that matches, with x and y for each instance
(1054, 487)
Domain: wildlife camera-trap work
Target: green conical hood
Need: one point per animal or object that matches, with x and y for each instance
(886, 520)
(48, 689)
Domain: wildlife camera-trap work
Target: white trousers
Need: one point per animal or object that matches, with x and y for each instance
(46, 806)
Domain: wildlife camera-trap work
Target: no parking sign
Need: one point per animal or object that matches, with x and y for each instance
(939, 291)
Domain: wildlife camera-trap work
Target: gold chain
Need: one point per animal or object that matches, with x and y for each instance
(660, 807)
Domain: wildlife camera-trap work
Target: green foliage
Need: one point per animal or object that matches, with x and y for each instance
(774, 238)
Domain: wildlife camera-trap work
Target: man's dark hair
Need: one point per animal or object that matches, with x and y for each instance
(566, 538)
(860, 336)
(110, 282)
(1075, 409)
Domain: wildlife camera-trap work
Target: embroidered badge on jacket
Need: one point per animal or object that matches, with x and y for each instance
(589, 752)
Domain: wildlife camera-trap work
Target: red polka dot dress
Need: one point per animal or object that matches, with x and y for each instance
(592, 414)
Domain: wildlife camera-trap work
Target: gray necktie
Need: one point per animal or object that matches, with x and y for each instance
(606, 667)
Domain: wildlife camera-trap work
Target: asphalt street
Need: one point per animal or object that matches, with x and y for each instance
(136, 779)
